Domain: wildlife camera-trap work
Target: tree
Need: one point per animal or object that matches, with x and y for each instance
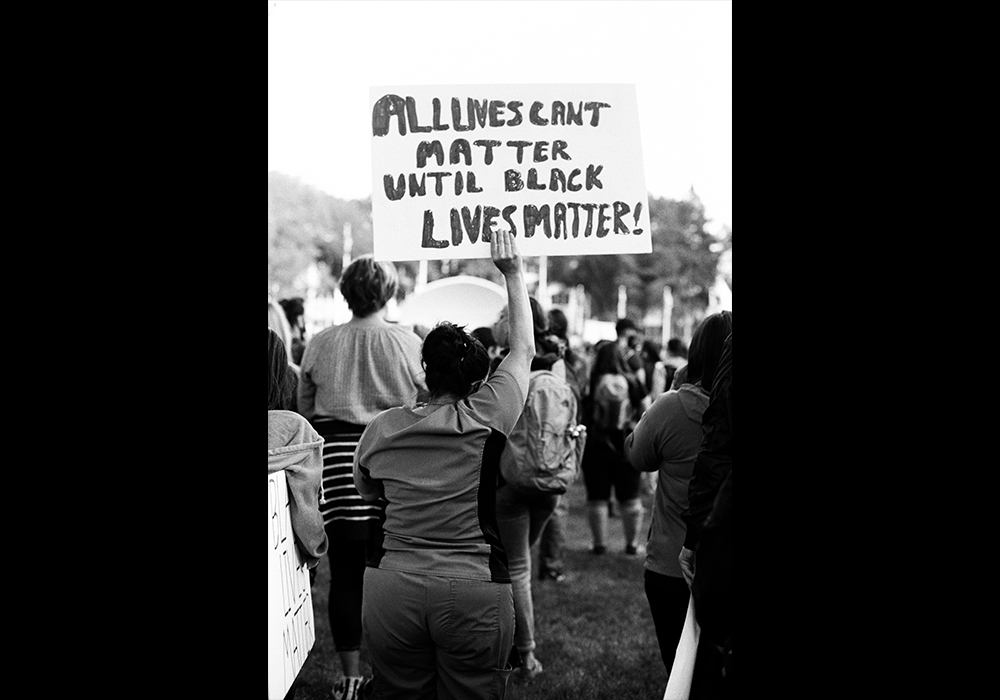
(306, 226)
(297, 218)
(683, 258)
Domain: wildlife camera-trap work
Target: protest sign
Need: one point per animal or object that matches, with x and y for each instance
(560, 166)
(290, 628)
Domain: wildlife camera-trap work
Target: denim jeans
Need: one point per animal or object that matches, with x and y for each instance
(521, 518)
(550, 549)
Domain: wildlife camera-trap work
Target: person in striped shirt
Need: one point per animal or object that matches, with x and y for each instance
(350, 373)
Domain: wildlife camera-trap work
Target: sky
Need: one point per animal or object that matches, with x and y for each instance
(322, 56)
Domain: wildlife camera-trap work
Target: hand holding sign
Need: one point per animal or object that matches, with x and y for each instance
(504, 252)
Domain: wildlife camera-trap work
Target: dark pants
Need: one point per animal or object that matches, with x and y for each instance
(347, 580)
(668, 603)
(708, 683)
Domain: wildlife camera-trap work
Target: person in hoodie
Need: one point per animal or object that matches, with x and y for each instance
(294, 446)
(667, 440)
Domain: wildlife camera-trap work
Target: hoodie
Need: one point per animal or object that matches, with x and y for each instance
(295, 447)
(666, 441)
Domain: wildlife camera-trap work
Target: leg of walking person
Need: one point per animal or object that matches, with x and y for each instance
(632, 516)
(347, 572)
(550, 549)
(668, 603)
(627, 484)
(597, 468)
(514, 522)
(352, 525)
(540, 509)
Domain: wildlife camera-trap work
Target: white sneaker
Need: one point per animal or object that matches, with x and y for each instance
(349, 688)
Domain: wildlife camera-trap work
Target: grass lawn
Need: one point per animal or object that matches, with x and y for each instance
(594, 633)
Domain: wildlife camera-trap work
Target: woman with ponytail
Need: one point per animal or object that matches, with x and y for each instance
(438, 605)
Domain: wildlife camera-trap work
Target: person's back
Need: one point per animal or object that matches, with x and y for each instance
(612, 413)
(438, 606)
(544, 448)
(429, 526)
(612, 409)
(666, 442)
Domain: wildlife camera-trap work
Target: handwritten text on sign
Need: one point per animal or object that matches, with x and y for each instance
(290, 628)
(558, 165)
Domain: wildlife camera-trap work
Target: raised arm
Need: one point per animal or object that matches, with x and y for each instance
(522, 340)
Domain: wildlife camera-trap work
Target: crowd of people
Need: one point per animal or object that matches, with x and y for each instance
(396, 441)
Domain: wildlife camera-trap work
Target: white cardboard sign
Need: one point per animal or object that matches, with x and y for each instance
(558, 165)
(290, 627)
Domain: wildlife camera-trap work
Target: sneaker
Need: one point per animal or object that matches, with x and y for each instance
(348, 688)
(552, 576)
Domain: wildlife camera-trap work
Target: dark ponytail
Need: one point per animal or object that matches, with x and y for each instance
(453, 360)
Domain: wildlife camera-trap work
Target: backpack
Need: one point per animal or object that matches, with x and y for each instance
(612, 408)
(545, 448)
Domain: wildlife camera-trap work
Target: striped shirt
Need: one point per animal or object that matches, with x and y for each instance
(343, 505)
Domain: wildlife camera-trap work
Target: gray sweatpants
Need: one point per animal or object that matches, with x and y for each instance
(437, 637)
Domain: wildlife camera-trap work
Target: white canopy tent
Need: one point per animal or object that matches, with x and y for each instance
(464, 300)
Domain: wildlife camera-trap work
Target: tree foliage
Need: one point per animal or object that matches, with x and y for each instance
(684, 258)
(306, 226)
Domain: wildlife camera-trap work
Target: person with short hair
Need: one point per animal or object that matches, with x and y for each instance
(438, 605)
(350, 373)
